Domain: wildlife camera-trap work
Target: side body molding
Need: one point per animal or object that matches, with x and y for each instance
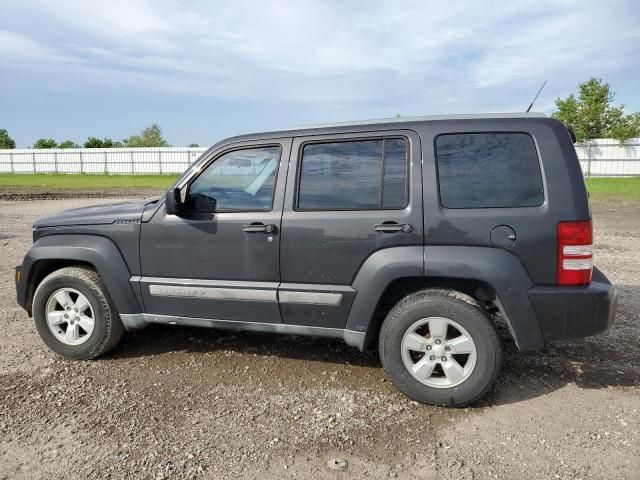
(378, 271)
(500, 269)
(98, 251)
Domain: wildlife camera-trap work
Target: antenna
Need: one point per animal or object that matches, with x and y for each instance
(536, 97)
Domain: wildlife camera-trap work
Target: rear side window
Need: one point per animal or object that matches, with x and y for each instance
(485, 170)
(354, 175)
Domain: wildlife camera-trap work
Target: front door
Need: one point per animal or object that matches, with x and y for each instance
(225, 265)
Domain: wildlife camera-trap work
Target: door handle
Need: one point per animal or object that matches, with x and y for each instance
(393, 227)
(259, 228)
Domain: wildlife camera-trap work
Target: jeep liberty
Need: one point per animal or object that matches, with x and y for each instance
(412, 235)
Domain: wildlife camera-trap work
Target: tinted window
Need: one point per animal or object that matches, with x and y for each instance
(358, 175)
(395, 173)
(481, 170)
(242, 180)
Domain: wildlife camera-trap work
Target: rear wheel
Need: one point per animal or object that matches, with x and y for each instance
(74, 314)
(439, 347)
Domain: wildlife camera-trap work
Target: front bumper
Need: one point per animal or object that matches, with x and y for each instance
(571, 312)
(21, 290)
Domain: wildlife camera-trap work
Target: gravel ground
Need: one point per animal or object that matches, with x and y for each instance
(174, 402)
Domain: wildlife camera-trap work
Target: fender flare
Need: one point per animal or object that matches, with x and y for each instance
(97, 251)
(376, 273)
(504, 273)
(497, 268)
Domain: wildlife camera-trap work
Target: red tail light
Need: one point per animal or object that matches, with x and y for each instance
(575, 253)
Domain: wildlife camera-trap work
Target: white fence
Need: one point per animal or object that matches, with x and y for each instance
(610, 158)
(116, 161)
(598, 158)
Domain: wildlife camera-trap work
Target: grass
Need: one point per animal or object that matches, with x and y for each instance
(627, 188)
(599, 188)
(15, 182)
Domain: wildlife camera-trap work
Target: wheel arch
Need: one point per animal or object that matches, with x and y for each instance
(43, 267)
(480, 291)
(493, 277)
(51, 253)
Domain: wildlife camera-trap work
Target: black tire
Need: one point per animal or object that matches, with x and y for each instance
(455, 306)
(108, 328)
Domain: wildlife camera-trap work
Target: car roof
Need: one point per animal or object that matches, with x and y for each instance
(376, 124)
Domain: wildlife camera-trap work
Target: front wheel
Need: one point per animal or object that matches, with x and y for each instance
(74, 314)
(439, 347)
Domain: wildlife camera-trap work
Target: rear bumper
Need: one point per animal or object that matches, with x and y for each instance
(570, 312)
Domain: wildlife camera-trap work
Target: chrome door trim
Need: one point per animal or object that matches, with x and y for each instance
(311, 298)
(290, 293)
(214, 293)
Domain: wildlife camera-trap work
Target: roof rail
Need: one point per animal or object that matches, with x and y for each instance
(425, 118)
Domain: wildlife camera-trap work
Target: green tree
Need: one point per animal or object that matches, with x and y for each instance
(149, 137)
(109, 143)
(45, 143)
(193, 145)
(592, 113)
(5, 140)
(93, 142)
(68, 144)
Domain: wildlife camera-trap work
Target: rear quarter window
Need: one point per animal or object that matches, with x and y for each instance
(488, 170)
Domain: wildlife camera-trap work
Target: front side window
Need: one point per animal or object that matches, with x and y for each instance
(241, 180)
(485, 170)
(354, 175)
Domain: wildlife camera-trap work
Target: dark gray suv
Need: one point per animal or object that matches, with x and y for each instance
(412, 235)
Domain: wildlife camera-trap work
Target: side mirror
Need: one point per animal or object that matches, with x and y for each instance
(201, 203)
(173, 202)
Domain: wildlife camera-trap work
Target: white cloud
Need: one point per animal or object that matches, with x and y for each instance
(20, 48)
(561, 41)
(409, 56)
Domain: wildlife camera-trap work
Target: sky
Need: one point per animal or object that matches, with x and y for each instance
(205, 70)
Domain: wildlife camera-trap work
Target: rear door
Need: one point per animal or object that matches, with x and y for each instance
(347, 196)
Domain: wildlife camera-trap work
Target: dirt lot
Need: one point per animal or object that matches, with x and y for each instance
(183, 402)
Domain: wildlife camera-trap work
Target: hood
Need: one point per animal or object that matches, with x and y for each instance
(125, 212)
